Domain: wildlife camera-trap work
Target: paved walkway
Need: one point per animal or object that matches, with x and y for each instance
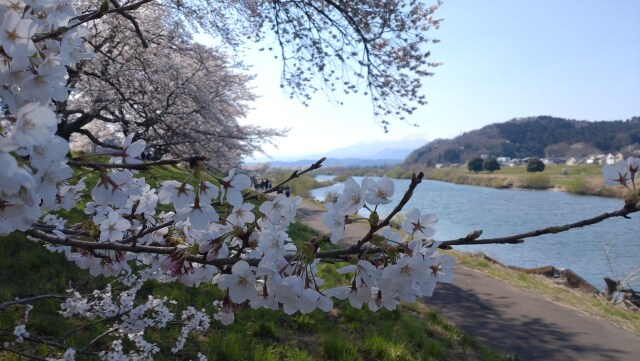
(510, 320)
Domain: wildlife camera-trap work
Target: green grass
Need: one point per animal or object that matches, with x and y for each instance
(412, 332)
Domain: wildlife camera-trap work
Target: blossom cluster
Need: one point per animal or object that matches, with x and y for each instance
(202, 229)
(32, 75)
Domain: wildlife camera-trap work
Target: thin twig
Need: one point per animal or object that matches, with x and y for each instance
(133, 21)
(89, 325)
(20, 353)
(624, 212)
(84, 349)
(28, 300)
(54, 344)
(97, 141)
(138, 166)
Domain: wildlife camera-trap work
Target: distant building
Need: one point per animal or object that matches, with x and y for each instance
(503, 160)
(596, 159)
(516, 162)
(552, 161)
(610, 159)
(572, 161)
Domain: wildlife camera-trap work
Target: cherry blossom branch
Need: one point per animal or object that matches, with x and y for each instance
(94, 15)
(133, 21)
(471, 239)
(629, 208)
(145, 232)
(117, 246)
(97, 141)
(415, 180)
(356, 249)
(138, 166)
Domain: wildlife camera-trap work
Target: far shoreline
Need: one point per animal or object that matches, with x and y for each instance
(577, 179)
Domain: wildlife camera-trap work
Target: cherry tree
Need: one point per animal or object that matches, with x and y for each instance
(205, 228)
(149, 78)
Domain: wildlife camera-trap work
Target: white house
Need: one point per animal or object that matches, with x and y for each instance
(610, 159)
(503, 160)
(595, 159)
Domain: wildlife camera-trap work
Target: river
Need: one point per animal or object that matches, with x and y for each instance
(462, 209)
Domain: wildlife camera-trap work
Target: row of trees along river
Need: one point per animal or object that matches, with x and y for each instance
(462, 209)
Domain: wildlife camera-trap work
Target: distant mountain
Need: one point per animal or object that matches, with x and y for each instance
(367, 153)
(347, 162)
(532, 137)
(379, 149)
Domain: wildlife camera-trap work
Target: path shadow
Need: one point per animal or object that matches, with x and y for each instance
(528, 338)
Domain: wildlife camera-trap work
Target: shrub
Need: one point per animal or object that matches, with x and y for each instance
(535, 165)
(490, 165)
(536, 181)
(475, 164)
(577, 185)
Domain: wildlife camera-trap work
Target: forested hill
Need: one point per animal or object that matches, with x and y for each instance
(534, 136)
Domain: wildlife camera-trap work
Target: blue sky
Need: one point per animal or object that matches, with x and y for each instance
(578, 59)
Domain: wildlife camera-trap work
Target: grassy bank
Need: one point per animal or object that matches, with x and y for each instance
(578, 179)
(581, 179)
(412, 332)
(590, 304)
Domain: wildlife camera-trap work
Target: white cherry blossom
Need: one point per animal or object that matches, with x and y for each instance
(335, 221)
(200, 214)
(352, 198)
(419, 225)
(15, 35)
(113, 227)
(131, 151)
(239, 216)
(176, 193)
(232, 187)
(241, 283)
(380, 191)
(35, 125)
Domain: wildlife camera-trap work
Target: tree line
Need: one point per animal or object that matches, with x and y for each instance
(542, 136)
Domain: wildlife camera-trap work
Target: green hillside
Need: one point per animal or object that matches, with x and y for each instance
(541, 136)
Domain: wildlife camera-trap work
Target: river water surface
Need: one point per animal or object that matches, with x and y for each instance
(462, 209)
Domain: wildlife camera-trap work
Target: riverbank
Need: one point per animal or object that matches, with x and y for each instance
(580, 180)
(579, 296)
(519, 320)
(585, 179)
